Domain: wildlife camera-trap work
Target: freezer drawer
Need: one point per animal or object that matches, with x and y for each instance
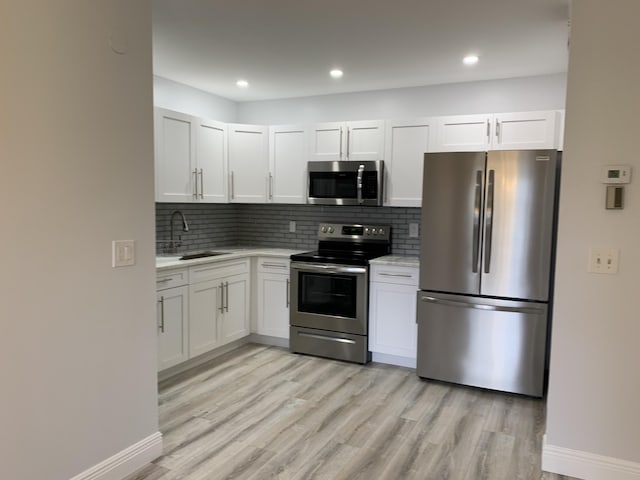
(488, 343)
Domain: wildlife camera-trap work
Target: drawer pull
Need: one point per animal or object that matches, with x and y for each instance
(162, 280)
(402, 275)
(274, 265)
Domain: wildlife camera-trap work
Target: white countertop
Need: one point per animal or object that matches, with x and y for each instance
(398, 260)
(166, 262)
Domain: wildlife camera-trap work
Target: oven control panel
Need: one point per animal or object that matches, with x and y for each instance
(339, 231)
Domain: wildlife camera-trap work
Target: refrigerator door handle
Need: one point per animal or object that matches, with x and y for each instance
(481, 306)
(488, 232)
(476, 223)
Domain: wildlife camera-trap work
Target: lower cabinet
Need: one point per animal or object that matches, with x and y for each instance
(272, 312)
(392, 312)
(172, 319)
(209, 310)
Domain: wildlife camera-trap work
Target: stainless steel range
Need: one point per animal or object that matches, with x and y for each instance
(329, 314)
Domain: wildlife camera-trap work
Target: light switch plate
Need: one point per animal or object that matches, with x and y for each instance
(413, 230)
(604, 260)
(123, 253)
(292, 226)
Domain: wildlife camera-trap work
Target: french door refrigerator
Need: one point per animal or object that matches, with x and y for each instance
(485, 268)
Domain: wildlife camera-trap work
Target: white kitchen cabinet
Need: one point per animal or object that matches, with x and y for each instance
(218, 304)
(273, 297)
(288, 150)
(172, 311)
(190, 158)
(248, 163)
(210, 173)
(500, 131)
(361, 140)
(174, 156)
(406, 143)
(392, 312)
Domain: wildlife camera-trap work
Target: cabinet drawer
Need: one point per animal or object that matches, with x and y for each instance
(171, 278)
(211, 271)
(273, 265)
(395, 274)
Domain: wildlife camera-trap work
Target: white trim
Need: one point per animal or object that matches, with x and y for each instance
(126, 461)
(393, 360)
(269, 340)
(585, 465)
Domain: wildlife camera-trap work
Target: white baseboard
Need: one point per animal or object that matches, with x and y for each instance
(269, 340)
(393, 360)
(126, 461)
(585, 465)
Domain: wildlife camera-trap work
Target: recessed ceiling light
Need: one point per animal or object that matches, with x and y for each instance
(470, 60)
(242, 83)
(336, 73)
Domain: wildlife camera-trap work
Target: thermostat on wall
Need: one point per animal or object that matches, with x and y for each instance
(616, 174)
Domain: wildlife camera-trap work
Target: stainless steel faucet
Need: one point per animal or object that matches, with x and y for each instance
(173, 243)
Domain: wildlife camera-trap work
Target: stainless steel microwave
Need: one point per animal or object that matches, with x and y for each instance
(345, 182)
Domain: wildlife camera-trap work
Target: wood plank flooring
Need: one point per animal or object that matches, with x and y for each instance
(261, 412)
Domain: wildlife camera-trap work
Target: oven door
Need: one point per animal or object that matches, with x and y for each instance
(329, 297)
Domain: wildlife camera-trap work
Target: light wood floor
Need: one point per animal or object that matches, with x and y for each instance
(261, 412)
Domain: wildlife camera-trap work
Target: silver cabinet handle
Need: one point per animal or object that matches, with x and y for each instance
(340, 143)
(221, 307)
(195, 183)
(201, 183)
(161, 314)
(325, 337)
(312, 267)
(232, 187)
(162, 280)
(274, 265)
(489, 222)
(475, 253)
(348, 139)
(226, 298)
(481, 306)
(359, 184)
(288, 293)
(401, 275)
(498, 130)
(270, 186)
(488, 131)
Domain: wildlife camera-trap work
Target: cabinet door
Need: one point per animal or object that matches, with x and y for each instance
(211, 162)
(235, 320)
(393, 319)
(204, 312)
(288, 148)
(407, 142)
(525, 131)
(173, 329)
(273, 305)
(466, 133)
(365, 140)
(327, 141)
(174, 156)
(248, 163)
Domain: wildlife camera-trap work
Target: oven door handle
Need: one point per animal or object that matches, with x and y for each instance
(311, 267)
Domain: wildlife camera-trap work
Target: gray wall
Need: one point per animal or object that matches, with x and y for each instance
(77, 337)
(594, 381)
(214, 225)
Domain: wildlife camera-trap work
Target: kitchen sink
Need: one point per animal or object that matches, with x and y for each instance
(191, 256)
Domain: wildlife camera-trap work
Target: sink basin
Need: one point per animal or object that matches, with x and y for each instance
(191, 256)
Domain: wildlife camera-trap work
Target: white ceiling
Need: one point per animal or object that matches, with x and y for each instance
(285, 48)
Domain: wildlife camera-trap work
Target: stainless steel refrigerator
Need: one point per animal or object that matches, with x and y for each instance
(485, 268)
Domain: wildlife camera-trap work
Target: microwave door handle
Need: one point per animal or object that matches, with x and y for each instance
(359, 186)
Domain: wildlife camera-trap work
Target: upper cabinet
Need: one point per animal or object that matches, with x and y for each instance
(503, 131)
(363, 140)
(174, 156)
(190, 158)
(288, 150)
(248, 163)
(407, 142)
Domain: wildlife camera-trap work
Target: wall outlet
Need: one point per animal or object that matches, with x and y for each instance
(292, 226)
(123, 253)
(604, 260)
(413, 230)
